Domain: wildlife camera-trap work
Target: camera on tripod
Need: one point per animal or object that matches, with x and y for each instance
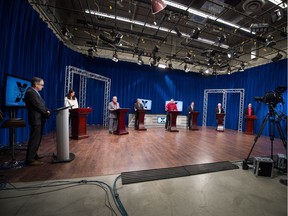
(273, 97)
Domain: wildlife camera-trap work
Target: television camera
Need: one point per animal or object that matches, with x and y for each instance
(272, 98)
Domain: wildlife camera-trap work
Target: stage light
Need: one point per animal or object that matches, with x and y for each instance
(277, 15)
(242, 67)
(118, 39)
(229, 70)
(186, 68)
(157, 6)
(188, 57)
(277, 57)
(66, 33)
(115, 57)
(140, 61)
(195, 33)
(211, 62)
(269, 41)
(222, 38)
(170, 66)
(161, 65)
(179, 34)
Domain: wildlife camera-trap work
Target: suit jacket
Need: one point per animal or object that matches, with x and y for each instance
(37, 110)
(189, 109)
(138, 106)
(111, 107)
(217, 110)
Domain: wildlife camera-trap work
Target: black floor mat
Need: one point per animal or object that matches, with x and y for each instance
(173, 172)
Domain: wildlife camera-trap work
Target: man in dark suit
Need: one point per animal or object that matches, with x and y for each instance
(137, 106)
(190, 109)
(37, 115)
(219, 109)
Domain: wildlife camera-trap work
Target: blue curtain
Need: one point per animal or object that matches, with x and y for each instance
(29, 48)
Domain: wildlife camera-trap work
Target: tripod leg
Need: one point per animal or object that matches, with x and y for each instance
(281, 134)
(245, 162)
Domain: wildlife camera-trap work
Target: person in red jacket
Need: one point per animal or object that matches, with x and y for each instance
(171, 106)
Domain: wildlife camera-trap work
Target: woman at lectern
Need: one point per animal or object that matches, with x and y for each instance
(71, 100)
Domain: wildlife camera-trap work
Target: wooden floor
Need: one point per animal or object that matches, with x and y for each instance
(104, 154)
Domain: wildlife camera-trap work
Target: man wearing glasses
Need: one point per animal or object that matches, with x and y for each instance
(37, 115)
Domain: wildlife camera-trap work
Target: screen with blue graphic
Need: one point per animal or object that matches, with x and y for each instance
(15, 90)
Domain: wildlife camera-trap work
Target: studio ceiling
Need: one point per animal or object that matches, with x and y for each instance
(102, 28)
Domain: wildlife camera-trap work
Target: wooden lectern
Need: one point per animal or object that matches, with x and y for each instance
(220, 119)
(250, 124)
(121, 114)
(79, 122)
(172, 122)
(141, 115)
(193, 123)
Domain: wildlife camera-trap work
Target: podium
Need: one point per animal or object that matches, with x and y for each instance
(220, 120)
(79, 122)
(193, 122)
(250, 124)
(172, 123)
(62, 136)
(121, 114)
(141, 115)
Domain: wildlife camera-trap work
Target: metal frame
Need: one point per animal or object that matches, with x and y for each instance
(84, 75)
(224, 102)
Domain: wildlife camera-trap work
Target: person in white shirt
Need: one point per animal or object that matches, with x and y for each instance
(71, 100)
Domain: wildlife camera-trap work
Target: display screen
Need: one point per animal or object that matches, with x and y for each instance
(15, 90)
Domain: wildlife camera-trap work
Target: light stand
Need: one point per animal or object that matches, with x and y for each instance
(271, 116)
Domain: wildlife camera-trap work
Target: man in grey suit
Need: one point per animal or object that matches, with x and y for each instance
(113, 121)
(37, 115)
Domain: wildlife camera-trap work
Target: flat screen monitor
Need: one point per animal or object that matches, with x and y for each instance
(15, 88)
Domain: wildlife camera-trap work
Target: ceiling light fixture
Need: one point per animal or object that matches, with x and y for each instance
(195, 33)
(186, 68)
(135, 22)
(280, 3)
(204, 15)
(157, 6)
(269, 41)
(115, 57)
(160, 65)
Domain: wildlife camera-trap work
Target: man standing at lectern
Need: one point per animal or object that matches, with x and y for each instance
(37, 115)
(137, 106)
(171, 106)
(219, 109)
(190, 109)
(249, 110)
(113, 121)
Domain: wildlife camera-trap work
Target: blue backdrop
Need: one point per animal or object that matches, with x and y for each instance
(29, 48)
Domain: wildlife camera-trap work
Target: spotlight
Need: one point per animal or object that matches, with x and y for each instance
(229, 70)
(66, 33)
(188, 56)
(115, 57)
(156, 49)
(157, 6)
(140, 61)
(186, 68)
(222, 38)
(90, 52)
(170, 66)
(270, 41)
(161, 65)
(242, 67)
(195, 33)
(211, 62)
(118, 38)
(179, 34)
(277, 15)
(277, 57)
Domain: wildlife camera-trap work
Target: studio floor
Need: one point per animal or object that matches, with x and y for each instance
(80, 187)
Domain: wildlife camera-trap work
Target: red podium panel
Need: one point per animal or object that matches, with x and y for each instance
(172, 123)
(250, 124)
(220, 119)
(121, 114)
(193, 123)
(141, 115)
(79, 122)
